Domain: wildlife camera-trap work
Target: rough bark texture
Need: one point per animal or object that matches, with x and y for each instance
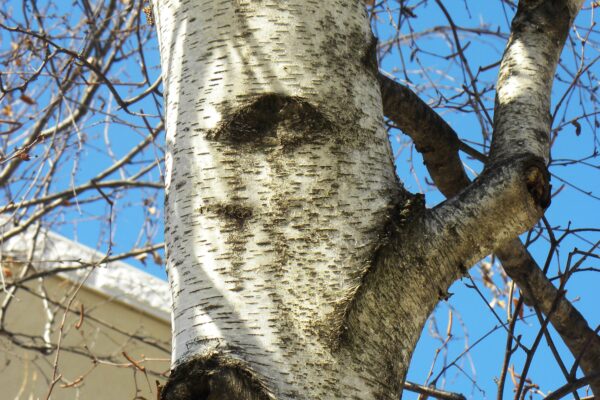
(299, 266)
(522, 112)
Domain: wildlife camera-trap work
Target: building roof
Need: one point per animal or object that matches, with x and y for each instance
(116, 280)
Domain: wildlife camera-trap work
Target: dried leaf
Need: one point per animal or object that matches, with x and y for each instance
(515, 302)
(7, 110)
(142, 257)
(149, 16)
(486, 275)
(81, 315)
(26, 99)
(157, 258)
(577, 126)
(7, 272)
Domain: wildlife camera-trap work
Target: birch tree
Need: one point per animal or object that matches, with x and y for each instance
(299, 265)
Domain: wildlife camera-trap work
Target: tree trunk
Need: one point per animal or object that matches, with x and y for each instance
(300, 268)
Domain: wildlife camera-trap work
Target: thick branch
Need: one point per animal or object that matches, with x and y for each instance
(501, 203)
(518, 263)
(400, 105)
(522, 110)
(433, 137)
(522, 116)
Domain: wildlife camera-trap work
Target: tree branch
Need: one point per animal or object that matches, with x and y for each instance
(431, 391)
(407, 111)
(518, 263)
(433, 137)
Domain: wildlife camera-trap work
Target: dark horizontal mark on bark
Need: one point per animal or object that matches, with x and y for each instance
(234, 212)
(272, 119)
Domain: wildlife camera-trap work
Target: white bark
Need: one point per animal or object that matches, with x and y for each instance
(522, 114)
(271, 225)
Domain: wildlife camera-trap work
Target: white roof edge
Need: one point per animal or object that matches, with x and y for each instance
(116, 280)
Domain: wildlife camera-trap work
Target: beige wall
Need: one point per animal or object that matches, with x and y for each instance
(106, 332)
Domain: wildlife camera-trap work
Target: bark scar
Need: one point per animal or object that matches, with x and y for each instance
(257, 122)
(213, 377)
(538, 183)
